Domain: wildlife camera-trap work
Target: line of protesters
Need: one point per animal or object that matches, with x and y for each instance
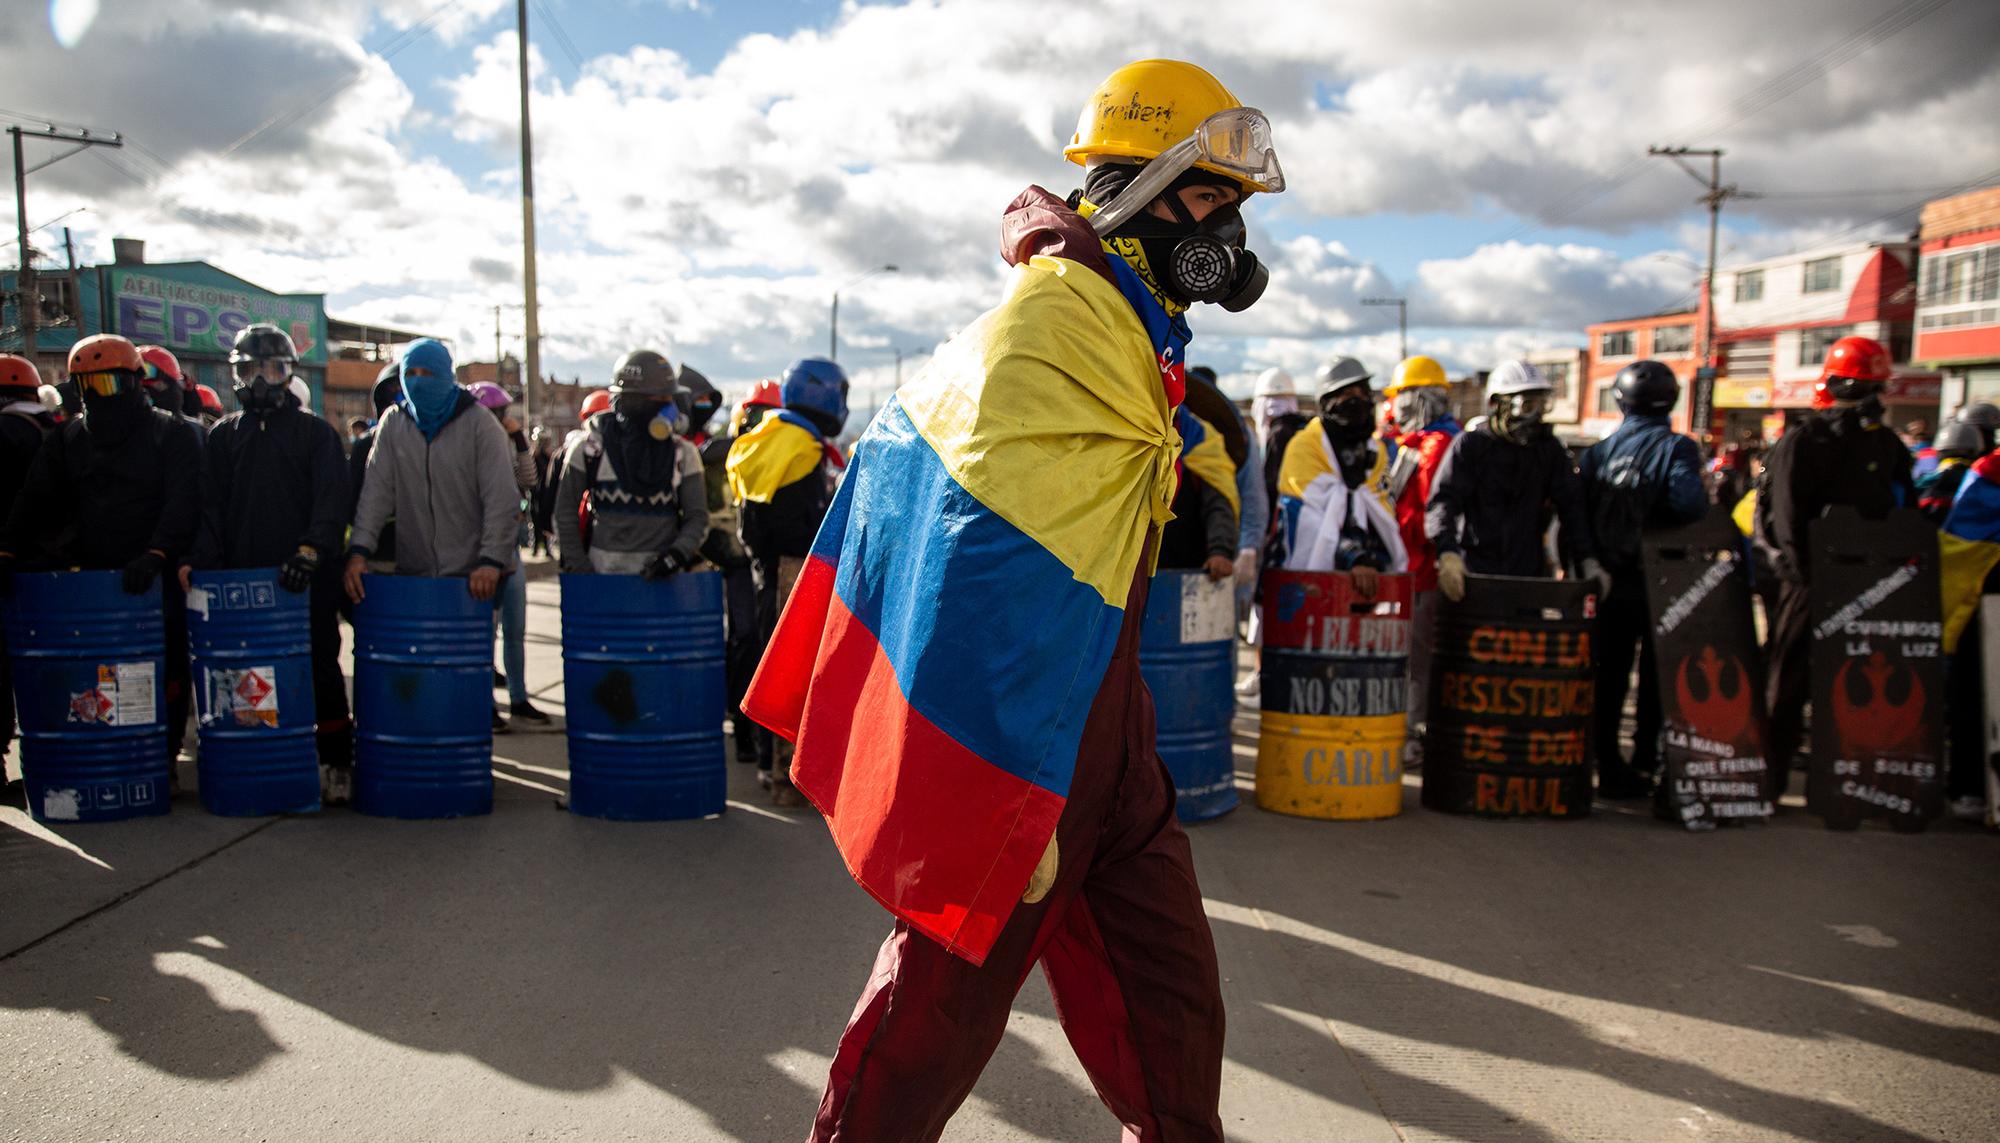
(1416, 493)
(138, 480)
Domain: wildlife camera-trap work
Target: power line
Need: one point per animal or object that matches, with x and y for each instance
(563, 41)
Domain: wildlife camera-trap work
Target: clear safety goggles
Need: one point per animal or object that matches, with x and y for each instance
(105, 384)
(1525, 404)
(272, 369)
(1236, 142)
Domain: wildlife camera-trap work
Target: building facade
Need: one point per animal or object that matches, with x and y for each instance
(1566, 368)
(1610, 346)
(1958, 296)
(1776, 319)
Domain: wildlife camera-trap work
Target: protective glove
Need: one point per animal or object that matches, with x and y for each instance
(1592, 570)
(1043, 878)
(295, 574)
(140, 573)
(660, 567)
(1451, 576)
(1246, 568)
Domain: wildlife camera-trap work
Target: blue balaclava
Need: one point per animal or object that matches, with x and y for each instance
(430, 395)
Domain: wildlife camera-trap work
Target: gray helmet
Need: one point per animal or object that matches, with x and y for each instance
(262, 340)
(1960, 438)
(1338, 374)
(1982, 413)
(644, 373)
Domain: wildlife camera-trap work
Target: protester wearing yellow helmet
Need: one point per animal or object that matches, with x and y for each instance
(1423, 427)
(1011, 808)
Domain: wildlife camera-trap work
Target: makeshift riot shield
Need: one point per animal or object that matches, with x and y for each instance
(1510, 699)
(1330, 736)
(1710, 675)
(1877, 670)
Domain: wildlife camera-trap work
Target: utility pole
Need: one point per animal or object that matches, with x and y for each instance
(833, 318)
(1701, 405)
(532, 367)
(28, 299)
(1402, 322)
(75, 302)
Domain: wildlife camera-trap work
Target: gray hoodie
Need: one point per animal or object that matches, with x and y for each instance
(454, 498)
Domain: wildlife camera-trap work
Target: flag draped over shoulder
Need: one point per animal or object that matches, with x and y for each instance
(1969, 546)
(781, 450)
(947, 638)
(1204, 454)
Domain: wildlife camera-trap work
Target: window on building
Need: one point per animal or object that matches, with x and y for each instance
(1616, 343)
(1747, 358)
(1961, 277)
(1673, 341)
(1750, 285)
(1607, 399)
(1822, 274)
(1813, 343)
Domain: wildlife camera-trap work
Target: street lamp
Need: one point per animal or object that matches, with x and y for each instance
(1402, 322)
(833, 322)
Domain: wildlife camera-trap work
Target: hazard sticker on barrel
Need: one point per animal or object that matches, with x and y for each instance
(1208, 610)
(245, 696)
(123, 696)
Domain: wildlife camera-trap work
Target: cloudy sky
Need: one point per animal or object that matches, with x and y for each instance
(708, 172)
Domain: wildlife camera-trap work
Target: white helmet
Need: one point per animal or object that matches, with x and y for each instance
(1516, 377)
(1274, 383)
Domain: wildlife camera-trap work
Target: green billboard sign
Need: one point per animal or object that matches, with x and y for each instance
(199, 309)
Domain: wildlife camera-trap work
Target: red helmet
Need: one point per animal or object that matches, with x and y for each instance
(598, 402)
(1857, 359)
(161, 362)
(1855, 368)
(765, 392)
(211, 401)
(104, 352)
(18, 373)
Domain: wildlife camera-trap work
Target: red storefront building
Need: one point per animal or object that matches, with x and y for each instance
(1958, 296)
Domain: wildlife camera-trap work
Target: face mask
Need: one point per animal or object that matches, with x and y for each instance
(261, 396)
(1518, 418)
(658, 420)
(1205, 261)
(113, 416)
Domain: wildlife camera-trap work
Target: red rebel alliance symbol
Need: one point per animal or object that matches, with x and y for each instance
(1714, 695)
(1878, 706)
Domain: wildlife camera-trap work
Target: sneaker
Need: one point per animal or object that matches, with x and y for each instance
(1251, 686)
(765, 780)
(527, 710)
(499, 722)
(786, 796)
(336, 785)
(1969, 808)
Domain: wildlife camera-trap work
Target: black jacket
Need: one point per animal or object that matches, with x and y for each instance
(787, 525)
(99, 506)
(1487, 502)
(1829, 458)
(272, 482)
(20, 439)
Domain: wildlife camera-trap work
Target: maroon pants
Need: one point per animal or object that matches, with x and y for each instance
(1121, 938)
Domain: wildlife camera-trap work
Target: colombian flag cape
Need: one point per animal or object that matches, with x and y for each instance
(1204, 454)
(1969, 546)
(948, 635)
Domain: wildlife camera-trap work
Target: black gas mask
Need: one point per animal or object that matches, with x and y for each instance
(1518, 417)
(1349, 414)
(1193, 261)
(262, 384)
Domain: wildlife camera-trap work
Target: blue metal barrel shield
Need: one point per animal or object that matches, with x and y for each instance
(644, 684)
(89, 672)
(1187, 655)
(253, 690)
(423, 699)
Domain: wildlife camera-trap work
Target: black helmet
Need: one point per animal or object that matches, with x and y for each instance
(644, 373)
(1960, 438)
(262, 340)
(1985, 416)
(1646, 387)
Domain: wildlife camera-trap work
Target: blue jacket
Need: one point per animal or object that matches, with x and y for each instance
(1655, 470)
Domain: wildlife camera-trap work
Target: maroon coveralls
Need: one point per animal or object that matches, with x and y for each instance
(1121, 938)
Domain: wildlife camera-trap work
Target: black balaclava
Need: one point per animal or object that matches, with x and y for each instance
(1242, 279)
(113, 419)
(1348, 425)
(643, 461)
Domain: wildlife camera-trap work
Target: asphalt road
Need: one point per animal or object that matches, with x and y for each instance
(534, 975)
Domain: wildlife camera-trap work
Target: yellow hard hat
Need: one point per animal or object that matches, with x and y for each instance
(1148, 106)
(1417, 372)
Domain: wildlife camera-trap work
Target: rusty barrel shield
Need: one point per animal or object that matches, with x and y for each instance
(1710, 673)
(1335, 686)
(1512, 684)
(1877, 670)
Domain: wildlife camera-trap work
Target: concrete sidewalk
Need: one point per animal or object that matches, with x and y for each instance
(536, 975)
